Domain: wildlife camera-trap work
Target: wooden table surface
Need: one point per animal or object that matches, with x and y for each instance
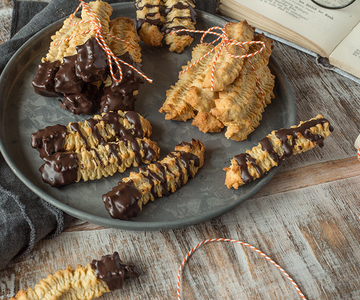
(306, 219)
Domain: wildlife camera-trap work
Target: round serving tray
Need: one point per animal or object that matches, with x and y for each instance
(23, 112)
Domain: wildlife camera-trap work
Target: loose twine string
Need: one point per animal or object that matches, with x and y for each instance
(99, 36)
(225, 43)
(238, 242)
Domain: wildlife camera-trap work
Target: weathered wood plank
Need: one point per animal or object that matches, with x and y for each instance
(312, 233)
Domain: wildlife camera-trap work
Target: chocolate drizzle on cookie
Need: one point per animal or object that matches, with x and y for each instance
(120, 201)
(164, 11)
(242, 160)
(287, 138)
(113, 271)
(303, 129)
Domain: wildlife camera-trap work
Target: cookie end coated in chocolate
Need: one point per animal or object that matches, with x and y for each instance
(122, 201)
(113, 271)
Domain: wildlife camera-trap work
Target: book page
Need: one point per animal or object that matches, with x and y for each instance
(347, 55)
(325, 27)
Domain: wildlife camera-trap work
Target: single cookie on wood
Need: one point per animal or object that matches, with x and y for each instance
(277, 146)
(159, 179)
(82, 283)
(89, 134)
(62, 168)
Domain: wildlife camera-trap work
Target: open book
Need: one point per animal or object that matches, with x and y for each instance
(330, 33)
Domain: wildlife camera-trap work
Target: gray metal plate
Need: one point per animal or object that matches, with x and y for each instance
(23, 112)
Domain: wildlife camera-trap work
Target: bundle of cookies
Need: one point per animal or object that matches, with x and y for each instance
(155, 19)
(218, 89)
(77, 64)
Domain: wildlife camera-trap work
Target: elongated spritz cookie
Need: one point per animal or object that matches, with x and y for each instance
(105, 160)
(91, 133)
(156, 180)
(180, 14)
(274, 148)
(228, 68)
(149, 21)
(175, 106)
(82, 283)
(124, 28)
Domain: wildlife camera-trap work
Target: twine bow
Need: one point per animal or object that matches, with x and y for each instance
(99, 36)
(225, 43)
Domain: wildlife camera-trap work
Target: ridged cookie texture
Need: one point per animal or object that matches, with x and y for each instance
(158, 18)
(82, 283)
(275, 147)
(149, 21)
(124, 28)
(242, 87)
(180, 14)
(159, 179)
(175, 106)
(68, 48)
(89, 134)
(105, 160)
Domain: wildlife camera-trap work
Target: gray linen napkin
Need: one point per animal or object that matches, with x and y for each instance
(24, 217)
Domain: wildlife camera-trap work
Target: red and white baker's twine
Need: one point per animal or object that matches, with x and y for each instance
(94, 19)
(241, 243)
(358, 154)
(225, 42)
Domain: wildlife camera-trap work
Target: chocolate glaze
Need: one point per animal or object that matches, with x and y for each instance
(242, 160)
(164, 11)
(91, 61)
(98, 158)
(119, 95)
(282, 134)
(149, 152)
(75, 127)
(303, 129)
(43, 82)
(167, 30)
(85, 102)
(134, 119)
(267, 146)
(116, 101)
(122, 201)
(66, 81)
(60, 169)
(49, 140)
(113, 271)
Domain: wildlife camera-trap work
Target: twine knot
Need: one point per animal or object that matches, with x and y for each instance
(224, 44)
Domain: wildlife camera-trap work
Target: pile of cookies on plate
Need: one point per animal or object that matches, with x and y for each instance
(95, 62)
